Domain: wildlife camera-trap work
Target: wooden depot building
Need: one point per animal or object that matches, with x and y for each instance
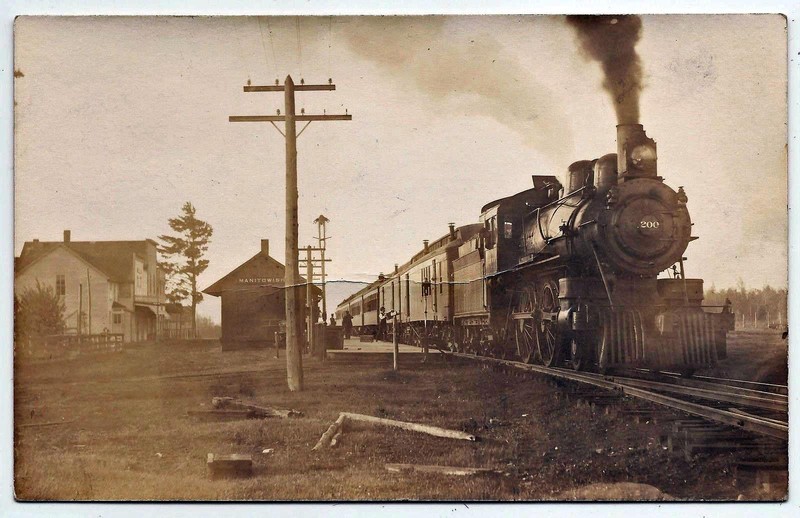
(253, 301)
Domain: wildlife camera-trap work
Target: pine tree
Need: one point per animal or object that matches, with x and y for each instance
(183, 258)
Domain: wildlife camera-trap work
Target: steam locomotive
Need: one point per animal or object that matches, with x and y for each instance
(561, 277)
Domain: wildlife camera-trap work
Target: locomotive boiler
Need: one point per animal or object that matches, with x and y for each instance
(589, 265)
(573, 275)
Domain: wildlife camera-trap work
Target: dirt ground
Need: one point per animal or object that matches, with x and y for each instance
(115, 427)
(755, 355)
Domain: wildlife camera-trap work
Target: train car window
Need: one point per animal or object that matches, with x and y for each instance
(508, 229)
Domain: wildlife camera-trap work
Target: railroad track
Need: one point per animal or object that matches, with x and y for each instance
(758, 412)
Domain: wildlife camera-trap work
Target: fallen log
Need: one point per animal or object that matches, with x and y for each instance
(216, 415)
(444, 470)
(258, 411)
(422, 428)
(333, 431)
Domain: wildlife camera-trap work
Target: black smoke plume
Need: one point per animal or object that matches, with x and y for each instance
(611, 40)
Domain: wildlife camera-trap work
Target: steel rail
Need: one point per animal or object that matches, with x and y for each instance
(753, 424)
(761, 402)
(697, 383)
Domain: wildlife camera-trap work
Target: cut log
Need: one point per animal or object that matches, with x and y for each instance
(333, 431)
(422, 428)
(444, 470)
(236, 465)
(258, 411)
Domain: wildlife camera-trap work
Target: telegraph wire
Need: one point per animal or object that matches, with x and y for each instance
(272, 45)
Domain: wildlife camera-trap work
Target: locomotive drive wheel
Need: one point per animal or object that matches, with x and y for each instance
(525, 329)
(549, 340)
(578, 354)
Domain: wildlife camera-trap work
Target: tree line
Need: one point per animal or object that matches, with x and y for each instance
(754, 308)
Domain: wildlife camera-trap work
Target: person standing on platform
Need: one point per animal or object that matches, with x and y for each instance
(333, 320)
(381, 325)
(347, 324)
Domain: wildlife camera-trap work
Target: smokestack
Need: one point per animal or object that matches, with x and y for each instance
(452, 230)
(67, 236)
(425, 245)
(265, 247)
(636, 152)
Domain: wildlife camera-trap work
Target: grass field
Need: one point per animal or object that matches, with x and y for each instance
(115, 427)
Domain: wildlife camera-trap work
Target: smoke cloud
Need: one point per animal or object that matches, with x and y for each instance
(465, 70)
(611, 40)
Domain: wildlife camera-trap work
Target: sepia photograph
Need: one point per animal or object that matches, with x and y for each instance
(528, 258)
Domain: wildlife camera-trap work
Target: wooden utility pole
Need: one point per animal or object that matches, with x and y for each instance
(322, 239)
(89, 296)
(80, 309)
(310, 299)
(294, 322)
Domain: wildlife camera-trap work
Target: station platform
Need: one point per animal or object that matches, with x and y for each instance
(374, 352)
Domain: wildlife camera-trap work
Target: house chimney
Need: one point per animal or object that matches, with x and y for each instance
(265, 247)
(425, 245)
(396, 269)
(452, 230)
(67, 235)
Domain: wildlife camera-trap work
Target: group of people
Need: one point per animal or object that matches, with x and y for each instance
(347, 323)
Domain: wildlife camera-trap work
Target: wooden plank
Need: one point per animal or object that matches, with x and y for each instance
(444, 470)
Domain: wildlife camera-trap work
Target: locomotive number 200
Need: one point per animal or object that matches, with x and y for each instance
(649, 224)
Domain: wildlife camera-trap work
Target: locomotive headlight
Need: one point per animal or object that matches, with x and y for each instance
(643, 157)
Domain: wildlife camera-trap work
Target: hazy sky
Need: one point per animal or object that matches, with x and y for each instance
(121, 120)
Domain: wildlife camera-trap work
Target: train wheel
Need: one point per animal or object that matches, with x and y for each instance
(525, 328)
(549, 340)
(526, 339)
(550, 347)
(578, 354)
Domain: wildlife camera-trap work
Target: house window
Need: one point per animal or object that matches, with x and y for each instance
(117, 318)
(61, 285)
